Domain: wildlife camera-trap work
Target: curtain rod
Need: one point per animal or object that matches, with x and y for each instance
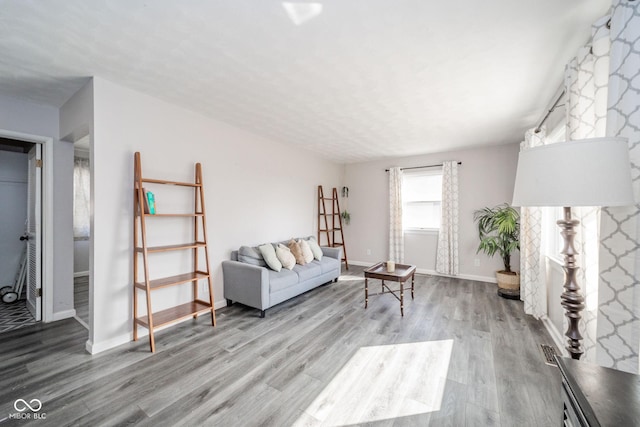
(420, 167)
(546, 116)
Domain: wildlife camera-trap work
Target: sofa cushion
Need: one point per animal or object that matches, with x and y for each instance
(296, 250)
(306, 250)
(308, 271)
(285, 256)
(279, 280)
(315, 248)
(269, 255)
(251, 256)
(328, 264)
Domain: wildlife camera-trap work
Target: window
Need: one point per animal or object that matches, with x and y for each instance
(421, 200)
(81, 189)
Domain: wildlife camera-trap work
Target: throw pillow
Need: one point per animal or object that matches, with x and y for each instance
(285, 256)
(295, 249)
(315, 248)
(306, 251)
(269, 255)
(251, 256)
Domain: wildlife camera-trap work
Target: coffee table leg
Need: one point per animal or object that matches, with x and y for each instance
(412, 276)
(366, 292)
(401, 299)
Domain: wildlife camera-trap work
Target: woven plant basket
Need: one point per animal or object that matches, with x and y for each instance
(508, 281)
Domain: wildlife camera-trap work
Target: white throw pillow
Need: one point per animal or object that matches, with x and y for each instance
(306, 251)
(285, 256)
(269, 255)
(315, 248)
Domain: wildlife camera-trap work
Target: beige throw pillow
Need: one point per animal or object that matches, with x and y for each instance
(269, 255)
(306, 251)
(315, 248)
(295, 249)
(285, 256)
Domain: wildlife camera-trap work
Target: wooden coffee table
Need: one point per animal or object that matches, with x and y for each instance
(401, 274)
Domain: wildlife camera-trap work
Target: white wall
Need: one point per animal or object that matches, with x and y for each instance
(13, 212)
(81, 250)
(256, 191)
(486, 178)
(34, 119)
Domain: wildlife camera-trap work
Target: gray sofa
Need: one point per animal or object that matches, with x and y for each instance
(261, 287)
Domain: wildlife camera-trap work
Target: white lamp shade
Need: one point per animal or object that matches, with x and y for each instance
(588, 172)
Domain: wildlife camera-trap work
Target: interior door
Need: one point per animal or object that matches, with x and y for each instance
(33, 233)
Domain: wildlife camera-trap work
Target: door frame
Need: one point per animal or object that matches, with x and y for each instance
(46, 235)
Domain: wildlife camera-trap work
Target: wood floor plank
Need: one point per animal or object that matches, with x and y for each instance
(276, 371)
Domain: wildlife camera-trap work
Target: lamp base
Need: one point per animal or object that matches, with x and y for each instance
(571, 299)
(509, 293)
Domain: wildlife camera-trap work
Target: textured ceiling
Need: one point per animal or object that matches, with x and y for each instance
(362, 80)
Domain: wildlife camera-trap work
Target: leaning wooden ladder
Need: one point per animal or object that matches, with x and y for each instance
(332, 226)
(142, 281)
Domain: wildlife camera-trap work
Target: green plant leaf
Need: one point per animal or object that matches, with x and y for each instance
(498, 231)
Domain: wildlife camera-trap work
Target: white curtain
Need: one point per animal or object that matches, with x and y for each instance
(618, 329)
(81, 192)
(396, 235)
(533, 291)
(586, 82)
(447, 253)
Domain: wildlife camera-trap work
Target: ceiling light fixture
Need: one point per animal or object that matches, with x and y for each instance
(299, 13)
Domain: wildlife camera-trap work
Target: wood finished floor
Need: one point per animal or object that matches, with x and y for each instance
(81, 298)
(271, 372)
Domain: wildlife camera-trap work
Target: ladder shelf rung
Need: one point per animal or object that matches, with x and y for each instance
(173, 280)
(191, 245)
(162, 181)
(174, 215)
(175, 314)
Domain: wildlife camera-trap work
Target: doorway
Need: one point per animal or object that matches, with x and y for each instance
(20, 233)
(81, 228)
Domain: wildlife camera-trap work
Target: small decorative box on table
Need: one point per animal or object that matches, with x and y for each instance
(401, 274)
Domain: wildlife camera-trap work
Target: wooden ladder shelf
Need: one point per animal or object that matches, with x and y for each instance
(332, 226)
(141, 258)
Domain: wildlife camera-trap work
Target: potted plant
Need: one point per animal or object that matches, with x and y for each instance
(346, 217)
(499, 232)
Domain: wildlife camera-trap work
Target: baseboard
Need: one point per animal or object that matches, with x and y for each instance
(80, 274)
(361, 263)
(82, 322)
(59, 315)
(95, 348)
(435, 273)
(555, 335)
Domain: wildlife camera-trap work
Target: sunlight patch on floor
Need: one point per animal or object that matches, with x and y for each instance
(383, 382)
(350, 277)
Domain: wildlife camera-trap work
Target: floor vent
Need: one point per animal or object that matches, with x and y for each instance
(548, 352)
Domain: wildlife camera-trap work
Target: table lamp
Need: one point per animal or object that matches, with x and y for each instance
(588, 172)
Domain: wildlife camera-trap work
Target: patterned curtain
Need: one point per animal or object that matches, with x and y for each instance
(81, 192)
(533, 291)
(447, 253)
(618, 329)
(396, 235)
(586, 83)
